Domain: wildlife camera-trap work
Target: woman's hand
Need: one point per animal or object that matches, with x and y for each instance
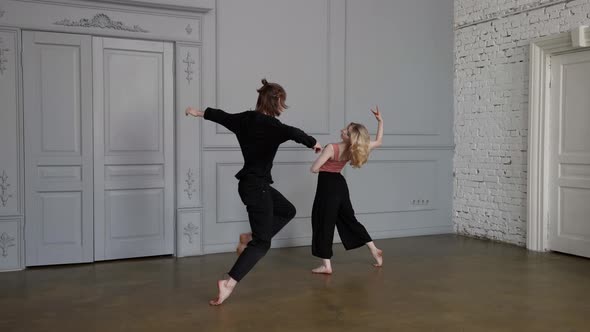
(317, 148)
(194, 112)
(327, 152)
(377, 114)
(379, 138)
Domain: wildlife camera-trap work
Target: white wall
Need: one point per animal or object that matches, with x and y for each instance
(491, 108)
(337, 59)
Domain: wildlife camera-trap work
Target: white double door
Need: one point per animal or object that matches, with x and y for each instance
(99, 150)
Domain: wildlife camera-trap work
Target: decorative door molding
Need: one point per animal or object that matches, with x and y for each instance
(538, 174)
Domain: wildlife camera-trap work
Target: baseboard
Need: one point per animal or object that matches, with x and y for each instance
(306, 240)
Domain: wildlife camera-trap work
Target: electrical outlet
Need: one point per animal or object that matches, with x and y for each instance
(419, 202)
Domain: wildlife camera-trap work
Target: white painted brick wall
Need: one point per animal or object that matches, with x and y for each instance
(491, 108)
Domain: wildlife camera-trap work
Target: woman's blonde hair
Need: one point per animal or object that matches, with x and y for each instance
(358, 150)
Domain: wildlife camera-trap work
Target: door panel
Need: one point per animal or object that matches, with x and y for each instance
(57, 81)
(570, 154)
(133, 145)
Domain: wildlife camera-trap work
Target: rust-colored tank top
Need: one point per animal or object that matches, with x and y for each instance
(333, 165)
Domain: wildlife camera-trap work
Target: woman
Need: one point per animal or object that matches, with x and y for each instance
(331, 206)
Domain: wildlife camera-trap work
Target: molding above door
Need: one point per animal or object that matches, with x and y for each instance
(195, 6)
(144, 19)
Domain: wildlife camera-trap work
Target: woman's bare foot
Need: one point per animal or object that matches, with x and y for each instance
(325, 268)
(225, 287)
(378, 255)
(322, 269)
(245, 238)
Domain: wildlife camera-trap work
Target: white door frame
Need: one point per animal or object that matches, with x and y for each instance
(538, 205)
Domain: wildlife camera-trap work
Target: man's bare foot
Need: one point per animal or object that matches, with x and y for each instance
(378, 255)
(240, 248)
(225, 288)
(322, 269)
(245, 238)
